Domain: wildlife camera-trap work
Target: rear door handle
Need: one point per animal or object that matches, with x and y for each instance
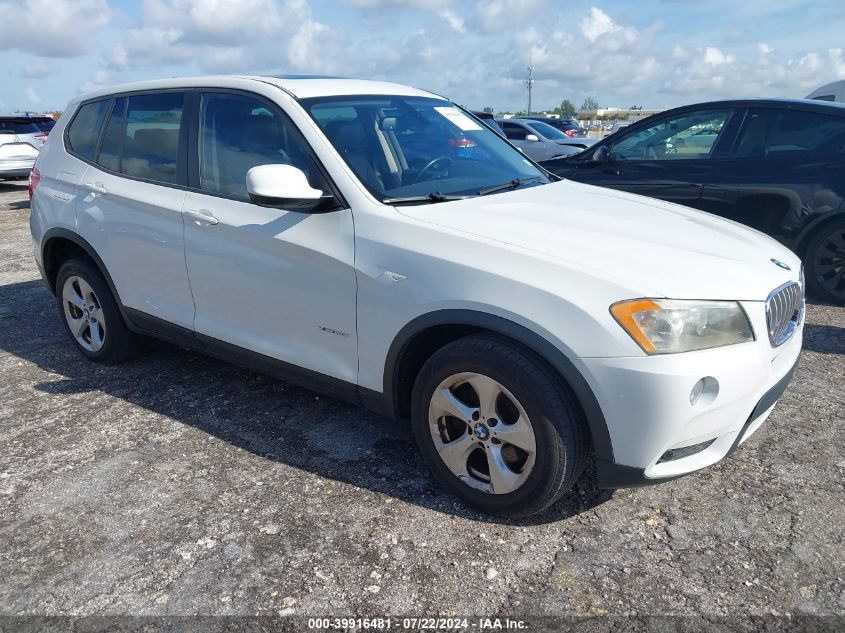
(203, 216)
(96, 187)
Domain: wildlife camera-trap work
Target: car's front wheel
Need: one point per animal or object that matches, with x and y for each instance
(496, 427)
(826, 263)
(90, 314)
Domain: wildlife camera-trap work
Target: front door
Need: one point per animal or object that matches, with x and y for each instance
(275, 282)
(669, 160)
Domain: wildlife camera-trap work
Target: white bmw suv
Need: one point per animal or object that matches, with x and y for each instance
(381, 244)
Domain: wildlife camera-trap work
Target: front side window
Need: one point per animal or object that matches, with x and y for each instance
(514, 131)
(776, 132)
(690, 136)
(405, 147)
(239, 132)
(84, 131)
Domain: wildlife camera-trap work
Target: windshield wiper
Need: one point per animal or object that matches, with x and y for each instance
(510, 186)
(434, 196)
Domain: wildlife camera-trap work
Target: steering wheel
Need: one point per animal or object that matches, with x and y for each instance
(430, 165)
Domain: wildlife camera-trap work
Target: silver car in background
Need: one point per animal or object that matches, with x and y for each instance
(537, 140)
(20, 141)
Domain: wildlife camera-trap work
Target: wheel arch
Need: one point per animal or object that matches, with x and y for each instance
(420, 338)
(60, 244)
(805, 237)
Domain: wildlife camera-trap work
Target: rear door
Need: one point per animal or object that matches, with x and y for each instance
(669, 159)
(131, 209)
(786, 168)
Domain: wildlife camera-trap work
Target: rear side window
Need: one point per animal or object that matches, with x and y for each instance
(84, 131)
(825, 98)
(113, 136)
(784, 133)
(151, 136)
(15, 125)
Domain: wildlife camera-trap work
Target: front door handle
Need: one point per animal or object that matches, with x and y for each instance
(202, 216)
(96, 187)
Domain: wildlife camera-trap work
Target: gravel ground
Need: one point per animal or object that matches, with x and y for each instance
(178, 485)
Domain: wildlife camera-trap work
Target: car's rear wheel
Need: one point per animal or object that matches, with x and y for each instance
(90, 314)
(825, 263)
(496, 427)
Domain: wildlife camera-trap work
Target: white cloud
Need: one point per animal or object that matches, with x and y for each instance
(52, 28)
(414, 4)
(597, 23)
(99, 79)
(455, 21)
(715, 57)
(32, 97)
(38, 68)
(495, 16)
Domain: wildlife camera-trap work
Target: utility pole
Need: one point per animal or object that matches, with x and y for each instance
(530, 83)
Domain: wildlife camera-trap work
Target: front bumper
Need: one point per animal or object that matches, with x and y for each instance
(612, 475)
(646, 404)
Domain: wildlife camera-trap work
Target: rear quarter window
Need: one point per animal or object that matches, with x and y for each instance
(84, 131)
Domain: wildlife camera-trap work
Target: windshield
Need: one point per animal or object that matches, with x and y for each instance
(414, 146)
(548, 131)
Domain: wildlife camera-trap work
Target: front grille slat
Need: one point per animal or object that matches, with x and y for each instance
(784, 311)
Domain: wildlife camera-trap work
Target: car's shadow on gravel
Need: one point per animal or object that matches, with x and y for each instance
(272, 419)
(825, 339)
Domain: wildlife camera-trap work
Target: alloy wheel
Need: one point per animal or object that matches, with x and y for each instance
(829, 264)
(482, 433)
(83, 313)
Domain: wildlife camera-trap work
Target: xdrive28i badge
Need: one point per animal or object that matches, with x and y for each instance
(780, 264)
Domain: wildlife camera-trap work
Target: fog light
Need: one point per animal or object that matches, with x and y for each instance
(679, 453)
(704, 391)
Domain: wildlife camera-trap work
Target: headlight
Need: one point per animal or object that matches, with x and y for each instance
(665, 326)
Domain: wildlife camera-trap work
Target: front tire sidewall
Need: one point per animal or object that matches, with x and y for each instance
(553, 465)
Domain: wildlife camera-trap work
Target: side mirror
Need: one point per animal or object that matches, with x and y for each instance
(281, 186)
(601, 154)
(532, 138)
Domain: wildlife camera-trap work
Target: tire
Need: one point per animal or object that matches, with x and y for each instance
(90, 314)
(825, 263)
(532, 401)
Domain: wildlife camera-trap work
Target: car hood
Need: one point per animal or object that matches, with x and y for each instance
(654, 248)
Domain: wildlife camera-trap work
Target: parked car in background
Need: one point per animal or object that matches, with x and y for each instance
(829, 92)
(537, 140)
(567, 126)
(489, 119)
(20, 141)
(618, 125)
(520, 324)
(44, 123)
(775, 165)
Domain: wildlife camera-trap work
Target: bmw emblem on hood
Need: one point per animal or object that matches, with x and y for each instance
(780, 264)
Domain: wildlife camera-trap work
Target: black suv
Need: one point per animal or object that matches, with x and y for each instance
(775, 165)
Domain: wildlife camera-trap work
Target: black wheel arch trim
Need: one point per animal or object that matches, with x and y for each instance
(558, 360)
(803, 239)
(67, 234)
